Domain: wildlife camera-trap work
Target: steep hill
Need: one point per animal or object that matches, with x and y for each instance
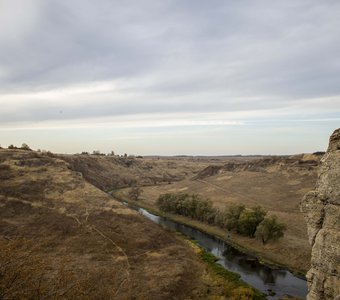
(109, 172)
(61, 237)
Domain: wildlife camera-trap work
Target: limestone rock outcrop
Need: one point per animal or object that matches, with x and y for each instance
(321, 209)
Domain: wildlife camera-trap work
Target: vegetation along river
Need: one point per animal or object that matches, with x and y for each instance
(262, 277)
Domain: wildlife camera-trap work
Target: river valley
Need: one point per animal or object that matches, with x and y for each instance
(275, 282)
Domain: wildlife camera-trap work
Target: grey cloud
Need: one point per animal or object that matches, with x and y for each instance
(199, 55)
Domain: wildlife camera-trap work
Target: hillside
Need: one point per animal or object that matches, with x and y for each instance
(276, 183)
(109, 172)
(62, 237)
(55, 223)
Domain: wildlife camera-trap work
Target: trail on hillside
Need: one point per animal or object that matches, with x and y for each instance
(225, 190)
(128, 278)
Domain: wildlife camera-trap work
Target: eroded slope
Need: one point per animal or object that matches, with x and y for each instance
(91, 246)
(109, 172)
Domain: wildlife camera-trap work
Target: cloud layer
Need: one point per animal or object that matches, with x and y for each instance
(190, 63)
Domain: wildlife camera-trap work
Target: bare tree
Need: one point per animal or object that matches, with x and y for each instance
(135, 193)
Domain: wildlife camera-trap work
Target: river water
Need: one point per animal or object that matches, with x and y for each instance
(258, 275)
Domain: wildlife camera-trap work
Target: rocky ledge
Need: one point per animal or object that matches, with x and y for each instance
(321, 209)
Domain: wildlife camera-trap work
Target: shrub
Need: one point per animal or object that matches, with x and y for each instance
(25, 275)
(243, 293)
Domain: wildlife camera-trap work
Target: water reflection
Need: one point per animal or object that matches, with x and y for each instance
(262, 277)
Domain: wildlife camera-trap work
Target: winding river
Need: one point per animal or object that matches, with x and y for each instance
(262, 277)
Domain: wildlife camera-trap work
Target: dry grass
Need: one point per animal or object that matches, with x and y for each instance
(88, 245)
(107, 172)
(115, 251)
(51, 206)
(279, 188)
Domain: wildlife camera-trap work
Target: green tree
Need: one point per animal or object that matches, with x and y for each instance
(270, 229)
(190, 205)
(205, 211)
(24, 146)
(233, 216)
(250, 219)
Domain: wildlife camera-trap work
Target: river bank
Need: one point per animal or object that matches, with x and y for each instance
(264, 254)
(228, 280)
(235, 266)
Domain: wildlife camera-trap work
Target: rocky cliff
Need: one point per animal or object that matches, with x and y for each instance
(321, 209)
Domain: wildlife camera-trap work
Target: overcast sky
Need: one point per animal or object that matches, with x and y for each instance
(170, 76)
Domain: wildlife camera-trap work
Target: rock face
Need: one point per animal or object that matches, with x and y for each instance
(321, 209)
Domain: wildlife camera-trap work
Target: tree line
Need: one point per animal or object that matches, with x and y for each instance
(24, 146)
(251, 222)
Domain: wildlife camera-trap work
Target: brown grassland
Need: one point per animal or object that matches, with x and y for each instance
(61, 237)
(277, 184)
